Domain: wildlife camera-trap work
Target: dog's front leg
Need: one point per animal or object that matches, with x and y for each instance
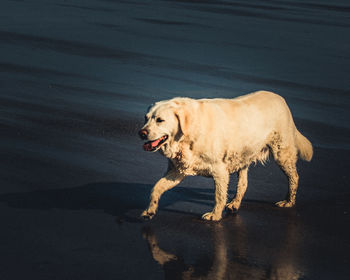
(221, 179)
(241, 189)
(170, 180)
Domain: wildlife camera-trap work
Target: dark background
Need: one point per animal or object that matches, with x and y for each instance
(76, 79)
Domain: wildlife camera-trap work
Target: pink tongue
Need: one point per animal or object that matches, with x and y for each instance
(150, 145)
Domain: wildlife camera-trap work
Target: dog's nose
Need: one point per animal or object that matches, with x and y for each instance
(143, 134)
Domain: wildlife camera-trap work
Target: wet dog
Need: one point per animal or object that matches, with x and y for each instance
(217, 137)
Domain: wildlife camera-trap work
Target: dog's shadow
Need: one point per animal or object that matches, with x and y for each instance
(114, 198)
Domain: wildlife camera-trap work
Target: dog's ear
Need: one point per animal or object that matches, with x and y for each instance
(184, 117)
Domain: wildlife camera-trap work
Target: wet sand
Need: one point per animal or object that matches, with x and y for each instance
(76, 79)
(94, 230)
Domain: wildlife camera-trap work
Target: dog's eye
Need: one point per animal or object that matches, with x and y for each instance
(159, 120)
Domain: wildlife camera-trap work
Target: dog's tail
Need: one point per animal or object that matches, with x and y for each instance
(304, 147)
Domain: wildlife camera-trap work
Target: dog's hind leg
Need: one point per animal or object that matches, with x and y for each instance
(287, 159)
(170, 180)
(241, 188)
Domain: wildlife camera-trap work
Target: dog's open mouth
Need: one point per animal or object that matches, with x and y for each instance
(151, 146)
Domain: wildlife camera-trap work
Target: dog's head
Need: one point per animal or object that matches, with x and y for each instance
(165, 121)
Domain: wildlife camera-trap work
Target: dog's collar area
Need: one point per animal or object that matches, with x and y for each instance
(151, 146)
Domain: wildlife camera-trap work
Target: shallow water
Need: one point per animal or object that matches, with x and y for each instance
(76, 78)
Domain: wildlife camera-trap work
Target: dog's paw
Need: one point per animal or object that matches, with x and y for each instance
(285, 204)
(147, 215)
(210, 216)
(232, 207)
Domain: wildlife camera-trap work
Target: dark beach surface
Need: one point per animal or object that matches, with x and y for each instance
(76, 79)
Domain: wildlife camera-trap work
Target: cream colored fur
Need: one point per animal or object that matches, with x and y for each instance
(216, 137)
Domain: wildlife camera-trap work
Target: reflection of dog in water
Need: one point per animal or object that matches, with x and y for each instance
(230, 261)
(175, 267)
(216, 137)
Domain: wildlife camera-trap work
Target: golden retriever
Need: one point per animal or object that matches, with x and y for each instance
(216, 137)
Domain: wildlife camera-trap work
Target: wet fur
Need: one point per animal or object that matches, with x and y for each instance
(217, 137)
